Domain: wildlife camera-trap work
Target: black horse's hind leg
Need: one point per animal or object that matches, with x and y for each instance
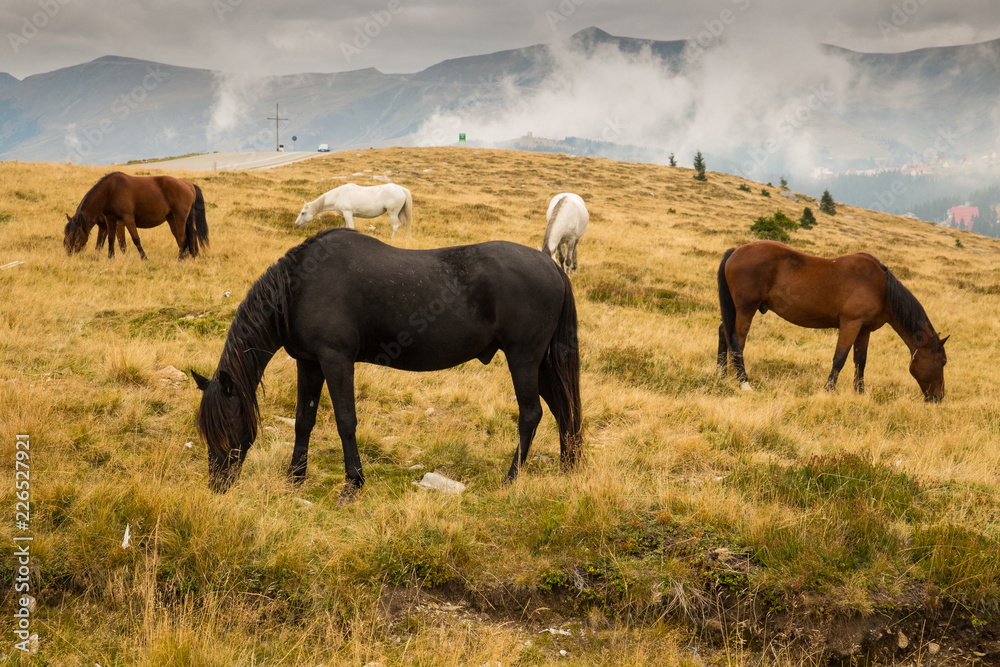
(339, 373)
(860, 359)
(525, 377)
(310, 388)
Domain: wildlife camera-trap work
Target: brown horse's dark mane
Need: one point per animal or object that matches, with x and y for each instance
(91, 191)
(905, 308)
(258, 330)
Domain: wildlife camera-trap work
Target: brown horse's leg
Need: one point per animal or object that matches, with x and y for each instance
(102, 235)
(723, 351)
(129, 223)
(737, 341)
(848, 334)
(178, 224)
(860, 358)
(120, 232)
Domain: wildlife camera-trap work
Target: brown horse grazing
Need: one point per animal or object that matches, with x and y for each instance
(119, 201)
(856, 294)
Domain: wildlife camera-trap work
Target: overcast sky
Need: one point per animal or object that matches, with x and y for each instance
(256, 36)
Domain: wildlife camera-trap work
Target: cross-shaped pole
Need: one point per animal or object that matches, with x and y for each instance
(277, 117)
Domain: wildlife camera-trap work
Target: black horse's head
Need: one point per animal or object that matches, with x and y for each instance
(76, 233)
(227, 422)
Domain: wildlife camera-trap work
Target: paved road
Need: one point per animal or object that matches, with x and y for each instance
(220, 161)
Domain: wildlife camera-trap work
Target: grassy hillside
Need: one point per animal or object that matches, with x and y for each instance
(787, 524)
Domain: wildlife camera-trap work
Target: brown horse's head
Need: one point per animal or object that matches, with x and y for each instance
(76, 233)
(228, 424)
(927, 367)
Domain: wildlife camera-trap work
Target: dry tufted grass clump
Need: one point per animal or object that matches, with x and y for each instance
(707, 526)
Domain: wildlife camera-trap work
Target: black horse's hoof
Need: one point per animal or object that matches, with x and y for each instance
(349, 493)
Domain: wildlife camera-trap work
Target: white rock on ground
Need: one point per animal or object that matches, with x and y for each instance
(432, 480)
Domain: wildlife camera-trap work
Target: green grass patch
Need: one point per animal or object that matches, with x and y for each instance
(656, 299)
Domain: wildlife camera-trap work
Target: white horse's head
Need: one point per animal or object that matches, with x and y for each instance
(305, 216)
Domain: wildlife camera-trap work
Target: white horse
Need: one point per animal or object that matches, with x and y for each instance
(567, 218)
(353, 200)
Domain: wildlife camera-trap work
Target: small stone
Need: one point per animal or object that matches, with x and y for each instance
(286, 420)
(933, 648)
(189, 444)
(429, 412)
(432, 480)
(303, 501)
(901, 640)
(563, 652)
(171, 373)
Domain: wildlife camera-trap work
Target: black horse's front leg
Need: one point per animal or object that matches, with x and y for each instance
(339, 373)
(309, 390)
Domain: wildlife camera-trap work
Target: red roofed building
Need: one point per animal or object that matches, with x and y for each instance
(961, 216)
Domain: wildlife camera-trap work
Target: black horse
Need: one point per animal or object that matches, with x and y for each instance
(342, 297)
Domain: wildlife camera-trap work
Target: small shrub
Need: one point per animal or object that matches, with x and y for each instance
(671, 210)
(808, 220)
(826, 203)
(744, 187)
(764, 192)
(699, 165)
(774, 228)
(673, 160)
(959, 244)
(783, 182)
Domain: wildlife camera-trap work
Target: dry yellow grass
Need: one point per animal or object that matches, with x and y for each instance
(257, 577)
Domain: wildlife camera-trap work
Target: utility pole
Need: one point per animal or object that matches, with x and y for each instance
(277, 117)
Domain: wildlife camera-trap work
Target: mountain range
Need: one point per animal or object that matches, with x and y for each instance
(841, 108)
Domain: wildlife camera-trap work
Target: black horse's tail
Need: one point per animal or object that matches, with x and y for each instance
(559, 380)
(728, 308)
(196, 228)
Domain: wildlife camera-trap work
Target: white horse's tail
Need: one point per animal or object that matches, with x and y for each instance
(407, 212)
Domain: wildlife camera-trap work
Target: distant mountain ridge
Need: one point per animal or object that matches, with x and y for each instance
(116, 108)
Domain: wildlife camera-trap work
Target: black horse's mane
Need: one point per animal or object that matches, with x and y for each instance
(258, 329)
(903, 305)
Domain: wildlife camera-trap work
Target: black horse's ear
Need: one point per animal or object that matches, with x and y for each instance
(199, 380)
(226, 381)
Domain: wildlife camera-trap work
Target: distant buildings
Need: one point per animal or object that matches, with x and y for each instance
(961, 216)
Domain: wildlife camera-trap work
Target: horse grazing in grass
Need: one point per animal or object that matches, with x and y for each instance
(342, 297)
(119, 201)
(365, 202)
(856, 294)
(567, 221)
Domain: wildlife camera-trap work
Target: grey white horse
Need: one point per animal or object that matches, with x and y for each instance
(365, 202)
(567, 221)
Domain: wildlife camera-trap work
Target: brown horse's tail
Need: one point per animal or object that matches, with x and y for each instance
(196, 228)
(559, 380)
(726, 304)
